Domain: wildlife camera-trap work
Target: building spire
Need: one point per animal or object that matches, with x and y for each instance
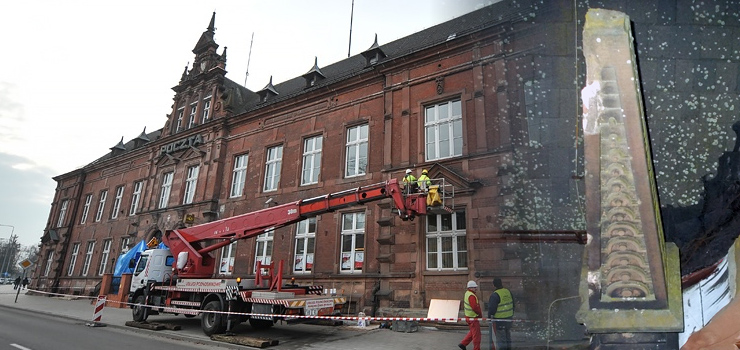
(185, 72)
(212, 25)
(206, 41)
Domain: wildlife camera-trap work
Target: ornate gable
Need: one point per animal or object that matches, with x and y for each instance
(462, 185)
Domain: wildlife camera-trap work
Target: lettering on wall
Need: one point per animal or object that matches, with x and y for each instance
(192, 141)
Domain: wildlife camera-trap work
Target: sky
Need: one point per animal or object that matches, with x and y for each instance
(76, 76)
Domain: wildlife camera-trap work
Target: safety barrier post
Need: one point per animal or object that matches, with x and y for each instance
(98, 313)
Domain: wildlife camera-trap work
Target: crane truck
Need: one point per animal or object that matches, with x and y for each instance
(181, 280)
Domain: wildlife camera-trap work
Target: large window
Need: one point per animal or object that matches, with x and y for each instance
(227, 259)
(49, 261)
(311, 160)
(264, 248)
(446, 242)
(104, 256)
(191, 118)
(180, 114)
(356, 163)
(135, 198)
(206, 109)
(164, 194)
(125, 241)
(443, 129)
(190, 183)
(73, 259)
(117, 203)
(62, 213)
(353, 242)
(239, 175)
(101, 205)
(86, 208)
(305, 238)
(272, 168)
(88, 257)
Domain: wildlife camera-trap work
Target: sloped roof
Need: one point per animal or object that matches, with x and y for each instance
(245, 100)
(469, 23)
(128, 146)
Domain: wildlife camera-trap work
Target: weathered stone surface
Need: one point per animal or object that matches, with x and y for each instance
(631, 283)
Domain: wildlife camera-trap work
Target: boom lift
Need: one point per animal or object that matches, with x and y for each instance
(181, 279)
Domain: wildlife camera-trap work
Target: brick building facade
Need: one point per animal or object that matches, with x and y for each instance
(464, 99)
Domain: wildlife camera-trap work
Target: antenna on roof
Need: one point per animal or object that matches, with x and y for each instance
(351, 16)
(249, 59)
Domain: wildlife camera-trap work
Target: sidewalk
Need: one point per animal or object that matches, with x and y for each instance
(290, 337)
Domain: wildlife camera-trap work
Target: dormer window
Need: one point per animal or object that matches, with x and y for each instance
(267, 91)
(374, 54)
(314, 74)
(141, 139)
(118, 149)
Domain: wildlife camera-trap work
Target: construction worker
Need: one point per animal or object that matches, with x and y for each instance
(472, 313)
(409, 181)
(424, 181)
(501, 307)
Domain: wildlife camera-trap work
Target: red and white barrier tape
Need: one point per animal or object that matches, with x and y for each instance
(338, 318)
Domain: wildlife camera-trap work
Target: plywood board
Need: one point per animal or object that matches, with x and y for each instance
(440, 308)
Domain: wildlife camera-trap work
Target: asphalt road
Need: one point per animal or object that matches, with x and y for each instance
(40, 331)
(31, 331)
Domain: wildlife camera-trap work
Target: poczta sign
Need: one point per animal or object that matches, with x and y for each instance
(182, 144)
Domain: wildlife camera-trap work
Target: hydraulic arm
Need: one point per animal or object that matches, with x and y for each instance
(193, 244)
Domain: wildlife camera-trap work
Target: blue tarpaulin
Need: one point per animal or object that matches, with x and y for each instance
(133, 253)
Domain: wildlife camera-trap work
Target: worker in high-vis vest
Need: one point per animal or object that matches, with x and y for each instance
(501, 310)
(472, 315)
(424, 181)
(409, 182)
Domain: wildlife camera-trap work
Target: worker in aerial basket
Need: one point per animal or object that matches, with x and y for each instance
(409, 182)
(424, 181)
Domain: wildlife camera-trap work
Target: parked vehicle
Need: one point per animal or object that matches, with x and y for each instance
(180, 280)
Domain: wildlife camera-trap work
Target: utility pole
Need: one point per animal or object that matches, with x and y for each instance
(249, 59)
(351, 17)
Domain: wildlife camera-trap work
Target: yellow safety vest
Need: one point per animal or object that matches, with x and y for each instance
(505, 307)
(469, 309)
(409, 179)
(424, 181)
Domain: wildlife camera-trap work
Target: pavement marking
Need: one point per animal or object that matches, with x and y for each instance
(19, 347)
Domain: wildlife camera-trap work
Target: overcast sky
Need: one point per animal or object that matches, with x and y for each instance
(76, 76)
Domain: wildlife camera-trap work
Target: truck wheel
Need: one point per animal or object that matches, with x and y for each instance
(140, 313)
(213, 323)
(260, 324)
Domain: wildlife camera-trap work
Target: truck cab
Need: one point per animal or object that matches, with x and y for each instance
(153, 265)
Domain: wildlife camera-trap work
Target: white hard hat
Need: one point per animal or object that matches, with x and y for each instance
(472, 284)
(408, 171)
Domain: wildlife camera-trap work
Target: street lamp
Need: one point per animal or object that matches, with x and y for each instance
(5, 259)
